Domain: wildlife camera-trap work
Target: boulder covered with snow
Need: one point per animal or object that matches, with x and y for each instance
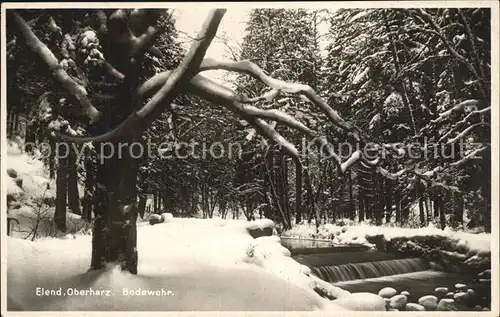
(471, 292)
(167, 217)
(486, 274)
(414, 307)
(446, 304)
(155, 219)
(429, 302)
(460, 287)
(405, 293)
(328, 290)
(398, 301)
(461, 297)
(361, 302)
(12, 173)
(441, 292)
(387, 292)
(261, 227)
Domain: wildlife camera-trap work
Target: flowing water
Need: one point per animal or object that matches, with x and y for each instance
(365, 270)
(356, 269)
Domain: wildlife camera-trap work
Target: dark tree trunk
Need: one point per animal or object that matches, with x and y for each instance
(73, 194)
(397, 201)
(421, 198)
(157, 202)
(379, 204)
(352, 208)
(442, 213)
(114, 237)
(266, 196)
(361, 200)
(388, 201)
(61, 189)
(405, 210)
(458, 215)
(284, 181)
(142, 204)
(298, 192)
(115, 233)
(310, 198)
(422, 212)
(87, 203)
(52, 161)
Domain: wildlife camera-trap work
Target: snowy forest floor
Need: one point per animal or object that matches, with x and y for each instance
(195, 264)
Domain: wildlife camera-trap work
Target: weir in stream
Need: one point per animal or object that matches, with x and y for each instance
(364, 270)
(357, 269)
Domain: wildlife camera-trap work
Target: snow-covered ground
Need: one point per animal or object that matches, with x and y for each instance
(199, 265)
(184, 264)
(194, 264)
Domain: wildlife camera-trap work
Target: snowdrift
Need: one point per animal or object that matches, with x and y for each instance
(189, 264)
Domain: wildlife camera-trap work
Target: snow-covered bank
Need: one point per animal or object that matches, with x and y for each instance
(31, 198)
(449, 250)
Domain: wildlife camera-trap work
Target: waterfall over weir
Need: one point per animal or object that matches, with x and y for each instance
(365, 270)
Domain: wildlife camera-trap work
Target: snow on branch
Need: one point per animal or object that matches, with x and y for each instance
(212, 91)
(390, 175)
(358, 156)
(441, 34)
(189, 65)
(138, 121)
(470, 156)
(350, 161)
(46, 55)
(458, 107)
(276, 115)
(465, 132)
(463, 122)
(267, 130)
(249, 68)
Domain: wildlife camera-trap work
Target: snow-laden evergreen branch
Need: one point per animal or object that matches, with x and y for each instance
(440, 33)
(463, 122)
(465, 132)
(470, 156)
(56, 70)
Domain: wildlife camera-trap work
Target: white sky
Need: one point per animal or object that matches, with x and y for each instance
(189, 20)
(232, 27)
